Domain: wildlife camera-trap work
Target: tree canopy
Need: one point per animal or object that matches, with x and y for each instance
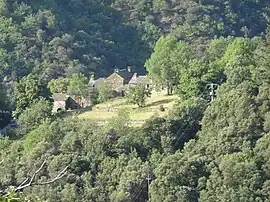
(199, 150)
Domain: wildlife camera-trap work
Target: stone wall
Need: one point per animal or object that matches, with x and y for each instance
(59, 105)
(116, 81)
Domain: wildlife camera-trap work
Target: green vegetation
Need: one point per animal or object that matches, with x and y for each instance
(35, 115)
(59, 85)
(138, 94)
(78, 86)
(105, 111)
(190, 146)
(105, 92)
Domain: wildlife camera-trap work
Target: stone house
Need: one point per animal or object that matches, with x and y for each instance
(64, 102)
(122, 79)
(135, 80)
(119, 79)
(95, 83)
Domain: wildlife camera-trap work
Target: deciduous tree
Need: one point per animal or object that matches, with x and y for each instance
(105, 92)
(138, 94)
(159, 65)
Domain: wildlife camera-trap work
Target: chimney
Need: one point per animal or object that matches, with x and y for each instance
(129, 68)
(92, 77)
(91, 80)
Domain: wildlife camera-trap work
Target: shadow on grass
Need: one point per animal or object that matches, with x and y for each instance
(160, 102)
(64, 114)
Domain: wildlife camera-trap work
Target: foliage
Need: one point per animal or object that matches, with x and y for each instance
(56, 39)
(27, 91)
(59, 85)
(200, 151)
(138, 94)
(5, 114)
(78, 86)
(167, 61)
(94, 94)
(36, 114)
(105, 92)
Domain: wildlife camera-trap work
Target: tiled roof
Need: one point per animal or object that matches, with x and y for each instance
(140, 80)
(143, 80)
(133, 80)
(99, 81)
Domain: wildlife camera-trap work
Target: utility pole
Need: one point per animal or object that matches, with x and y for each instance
(213, 87)
(148, 184)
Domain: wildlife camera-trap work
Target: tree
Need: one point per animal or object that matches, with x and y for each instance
(36, 114)
(138, 94)
(27, 91)
(120, 124)
(176, 178)
(193, 79)
(233, 170)
(78, 86)
(59, 85)
(261, 71)
(105, 92)
(169, 59)
(241, 51)
(201, 151)
(159, 65)
(5, 114)
(94, 94)
(9, 195)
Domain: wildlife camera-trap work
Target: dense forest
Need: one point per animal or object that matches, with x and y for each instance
(203, 150)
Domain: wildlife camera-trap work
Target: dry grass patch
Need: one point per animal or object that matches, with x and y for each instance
(105, 111)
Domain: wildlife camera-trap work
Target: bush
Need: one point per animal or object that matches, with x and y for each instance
(137, 95)
(105, 92)
(161, 108)
(35, 115)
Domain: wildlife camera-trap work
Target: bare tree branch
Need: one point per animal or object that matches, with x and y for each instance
(24, 182)
(23, 185)
(1, 161)
(59, 176)
(28, 183)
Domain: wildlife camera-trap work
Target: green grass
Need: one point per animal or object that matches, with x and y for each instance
(108, 110)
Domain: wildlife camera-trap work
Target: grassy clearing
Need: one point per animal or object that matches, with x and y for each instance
(97, 115)
(105, 111)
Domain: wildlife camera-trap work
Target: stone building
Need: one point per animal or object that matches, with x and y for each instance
(135, 80)
(95, 83)
(64, 102)
(119, 79)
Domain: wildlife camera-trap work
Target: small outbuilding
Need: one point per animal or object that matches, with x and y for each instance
(63, 102)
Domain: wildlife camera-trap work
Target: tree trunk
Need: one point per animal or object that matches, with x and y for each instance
(169, 89)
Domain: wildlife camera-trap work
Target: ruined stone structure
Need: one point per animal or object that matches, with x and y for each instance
(64, 102)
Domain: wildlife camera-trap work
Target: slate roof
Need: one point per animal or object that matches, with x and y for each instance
(60, 97)
(125, 74)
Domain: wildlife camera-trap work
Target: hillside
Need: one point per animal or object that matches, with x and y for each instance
(56, 38)
(106, 111)
(211, 143)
